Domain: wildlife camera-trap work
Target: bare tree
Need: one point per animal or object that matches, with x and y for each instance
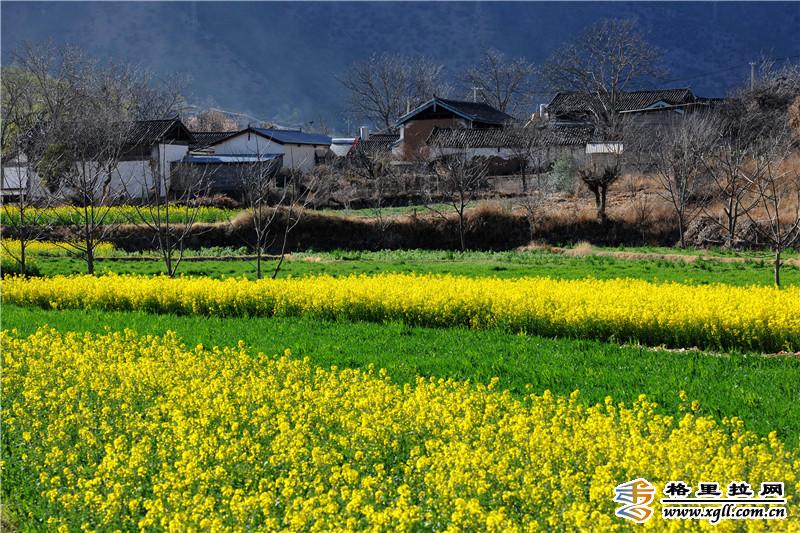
(262, 196)
(604, 61)
(528, 147)
(370, 169)
(506, 84)
(26, 126)
(212, 120)
(95, 138)
(598, 173)
(458, 175)
(298, 192)
(169, 207)
(734, 163)
(675, 152)
(640, 204)
(382, 87)
(777, 192)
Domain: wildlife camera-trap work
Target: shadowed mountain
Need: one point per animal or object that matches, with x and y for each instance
(279, 61)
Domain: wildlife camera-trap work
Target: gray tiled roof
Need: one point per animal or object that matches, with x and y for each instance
(473, 111)
(509, 137)
(377, 143)
(206, 138)
(577, 102)
(149, 132)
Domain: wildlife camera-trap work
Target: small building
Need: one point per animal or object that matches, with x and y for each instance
(300, 150)
(416, 126)
(382, 143)
(340, 146)
(204, 139)
(505, 148)
(223, 174)
(151, 148)
(17, 179)
(652, 106)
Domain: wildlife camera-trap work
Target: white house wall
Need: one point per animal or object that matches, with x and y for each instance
(295, 156)
(299, 157)
(135, 178)
(248, 143)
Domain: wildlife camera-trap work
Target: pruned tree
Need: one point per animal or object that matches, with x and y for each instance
(776, 217)
(381, 88)
(599, 172)
(610, 57)
(457, 176)
(506, 84)
(674, 152)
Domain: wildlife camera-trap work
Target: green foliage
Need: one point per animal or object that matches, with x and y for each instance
(564, 174)
(497, 264)
(10, 266)
(752, 387)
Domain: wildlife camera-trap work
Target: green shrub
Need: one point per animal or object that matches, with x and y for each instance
(564, 174)
(9, 266)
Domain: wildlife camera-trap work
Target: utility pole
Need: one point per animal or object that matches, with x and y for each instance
(752, 75)
(475, 94)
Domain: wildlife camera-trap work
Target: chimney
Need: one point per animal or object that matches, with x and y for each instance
(363, 133)
(542, 110)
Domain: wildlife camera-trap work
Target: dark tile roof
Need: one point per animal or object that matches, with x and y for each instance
(206, 138)
(565, 103)
(509, 137)
(474, 111)
(149, 132)
(377, 143)
(293, 136)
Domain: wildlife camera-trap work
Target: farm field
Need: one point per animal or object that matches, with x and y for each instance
(742, 384)
(352, 331)
(755, 270)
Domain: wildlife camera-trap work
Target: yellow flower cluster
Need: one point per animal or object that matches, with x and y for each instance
(713, 316)
(11, 248)
(67, 215)
(121, 431)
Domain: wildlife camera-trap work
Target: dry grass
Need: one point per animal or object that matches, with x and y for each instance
(582, 249)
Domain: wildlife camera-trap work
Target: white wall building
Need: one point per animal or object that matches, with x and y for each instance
(300, 150)
(154, 146)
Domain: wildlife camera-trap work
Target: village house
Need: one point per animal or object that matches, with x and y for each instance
(18, 178)
(299, 150)
(152, 148)
(507, 148)
(381, 143)
(650, 106)
(416, 126)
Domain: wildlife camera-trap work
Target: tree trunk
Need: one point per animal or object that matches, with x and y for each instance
(90, 261)
(680, 232)
(22, 257)
(461, 229)
(524, 182)
(258, 261)
(777, 268)
(600, 196)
